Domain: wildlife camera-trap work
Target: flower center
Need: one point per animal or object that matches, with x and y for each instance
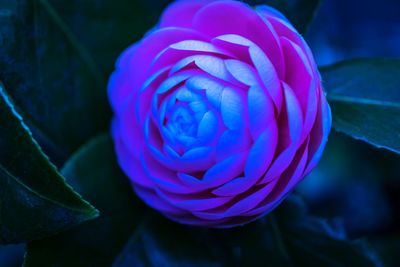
(183, 125)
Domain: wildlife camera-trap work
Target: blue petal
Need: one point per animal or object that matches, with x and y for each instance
(213, 89)
(208, 127)
(172, 81)
(262, 153)
(234, 39)
(213, 66)
(295, 117)
(198, 46)
(232, 109)
(231, 142)
(225, 170)
(261, 110)
(185, 95)
(242, 72)
(251, 201)
(199, 108)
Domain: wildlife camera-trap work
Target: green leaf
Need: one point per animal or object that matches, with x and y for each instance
(57, 57)
(160, 242)
(299, 12)
(94, 172)
(287, 237)
(35, 201)
(312, 241)
(365, 100)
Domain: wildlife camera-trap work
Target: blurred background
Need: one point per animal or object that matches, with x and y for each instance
(353, 181)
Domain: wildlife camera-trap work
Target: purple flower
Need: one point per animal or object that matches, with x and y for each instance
(219, 112)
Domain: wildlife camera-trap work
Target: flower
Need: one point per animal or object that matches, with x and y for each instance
(219, 112)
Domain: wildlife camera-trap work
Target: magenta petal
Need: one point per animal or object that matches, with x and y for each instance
(319, 133)
(236, 44)
(131, 165)
(221, 17)
(299, 76)
(284, 29)
(300, 160)
(180, 13)
(119, 85)
(250, 201)
(183, 49)
(130, 131)
(119, 88)
(148, 49)
(268, 12)
(289, 136)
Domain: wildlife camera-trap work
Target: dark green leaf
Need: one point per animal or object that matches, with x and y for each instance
(388, 247)
(160, 242)
(94, 172)
(12, 255)
(287, 237)
(57, 57)
(312, 241)
(299, 12)
(365, 100)
(35, 201)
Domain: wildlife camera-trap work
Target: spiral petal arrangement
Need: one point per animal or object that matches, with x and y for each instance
(219, 112)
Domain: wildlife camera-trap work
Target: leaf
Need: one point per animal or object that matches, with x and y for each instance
(12, 255)
(365, 99)
(160, 242)
(94, 172)
(299, 12)
(57, 57)
(35, 201)
(287, 237)
(312, 241)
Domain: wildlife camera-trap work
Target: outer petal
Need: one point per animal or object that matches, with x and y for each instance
(139, 63)
(181, 13)
(221, 17)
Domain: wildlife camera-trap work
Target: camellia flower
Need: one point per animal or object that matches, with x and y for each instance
(219, 112)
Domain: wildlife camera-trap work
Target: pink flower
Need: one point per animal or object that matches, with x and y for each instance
(219, 112)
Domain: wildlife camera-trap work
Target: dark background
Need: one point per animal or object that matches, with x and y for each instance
(353, 181)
